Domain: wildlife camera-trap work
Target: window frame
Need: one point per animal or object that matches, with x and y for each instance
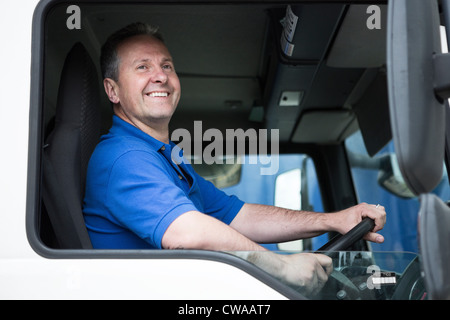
(327, 170)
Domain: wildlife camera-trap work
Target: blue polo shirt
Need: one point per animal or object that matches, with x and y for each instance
(134, 191)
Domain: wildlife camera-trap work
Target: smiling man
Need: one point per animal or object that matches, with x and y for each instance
(148, 91)
(138, 198)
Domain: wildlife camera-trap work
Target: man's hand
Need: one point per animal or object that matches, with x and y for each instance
(343, 221)
(308, 272)
(305, 272)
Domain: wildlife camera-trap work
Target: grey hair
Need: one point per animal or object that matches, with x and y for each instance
(109, 59)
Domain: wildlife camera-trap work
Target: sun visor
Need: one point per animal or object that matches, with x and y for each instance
(356, 45)
(369, 101)
(324, 126)
(417, 116)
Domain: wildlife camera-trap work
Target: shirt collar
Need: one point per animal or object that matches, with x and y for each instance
(121, 127)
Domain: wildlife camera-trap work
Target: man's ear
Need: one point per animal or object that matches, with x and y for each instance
(112, 90)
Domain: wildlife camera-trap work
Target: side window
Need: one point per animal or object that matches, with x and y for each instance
(378, 180)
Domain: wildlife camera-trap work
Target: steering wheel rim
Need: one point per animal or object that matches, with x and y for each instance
(343, 242)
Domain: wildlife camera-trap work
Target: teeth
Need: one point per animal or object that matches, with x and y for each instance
(158, 94)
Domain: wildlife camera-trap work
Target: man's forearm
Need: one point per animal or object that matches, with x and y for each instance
(267, 224)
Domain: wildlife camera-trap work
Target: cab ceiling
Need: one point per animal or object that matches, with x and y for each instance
(229, 62)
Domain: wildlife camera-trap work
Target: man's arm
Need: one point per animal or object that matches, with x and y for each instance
(269, 224)
(194, 230)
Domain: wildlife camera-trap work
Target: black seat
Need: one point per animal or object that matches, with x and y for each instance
(68, 148)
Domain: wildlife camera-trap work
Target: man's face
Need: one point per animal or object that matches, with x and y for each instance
(148, 88)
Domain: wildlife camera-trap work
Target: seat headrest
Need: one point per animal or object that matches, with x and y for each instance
(79, 84)
(78, 102)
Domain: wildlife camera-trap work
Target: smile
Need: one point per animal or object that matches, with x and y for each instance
(158, 94)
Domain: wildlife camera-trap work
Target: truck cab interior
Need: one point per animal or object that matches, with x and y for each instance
(318, 73)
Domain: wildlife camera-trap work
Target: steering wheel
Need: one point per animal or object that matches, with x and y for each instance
(343, 242)
(410, 285)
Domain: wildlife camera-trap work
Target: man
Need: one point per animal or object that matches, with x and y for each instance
(137, 197)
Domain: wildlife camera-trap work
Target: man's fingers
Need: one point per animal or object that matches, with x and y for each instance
(323, 268)
(326, 262)
(378, 214)
(374, 237)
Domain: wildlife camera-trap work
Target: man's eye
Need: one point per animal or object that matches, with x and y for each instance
(167, 67)
(143, 67)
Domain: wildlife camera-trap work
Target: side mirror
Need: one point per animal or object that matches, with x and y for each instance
(418, 85)
(391, 179)
(222, 175)
(389, 174)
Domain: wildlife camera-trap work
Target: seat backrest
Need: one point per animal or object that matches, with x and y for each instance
(434, 240)
(69, 147)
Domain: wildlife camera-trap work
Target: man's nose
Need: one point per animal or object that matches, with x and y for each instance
(159, 76)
